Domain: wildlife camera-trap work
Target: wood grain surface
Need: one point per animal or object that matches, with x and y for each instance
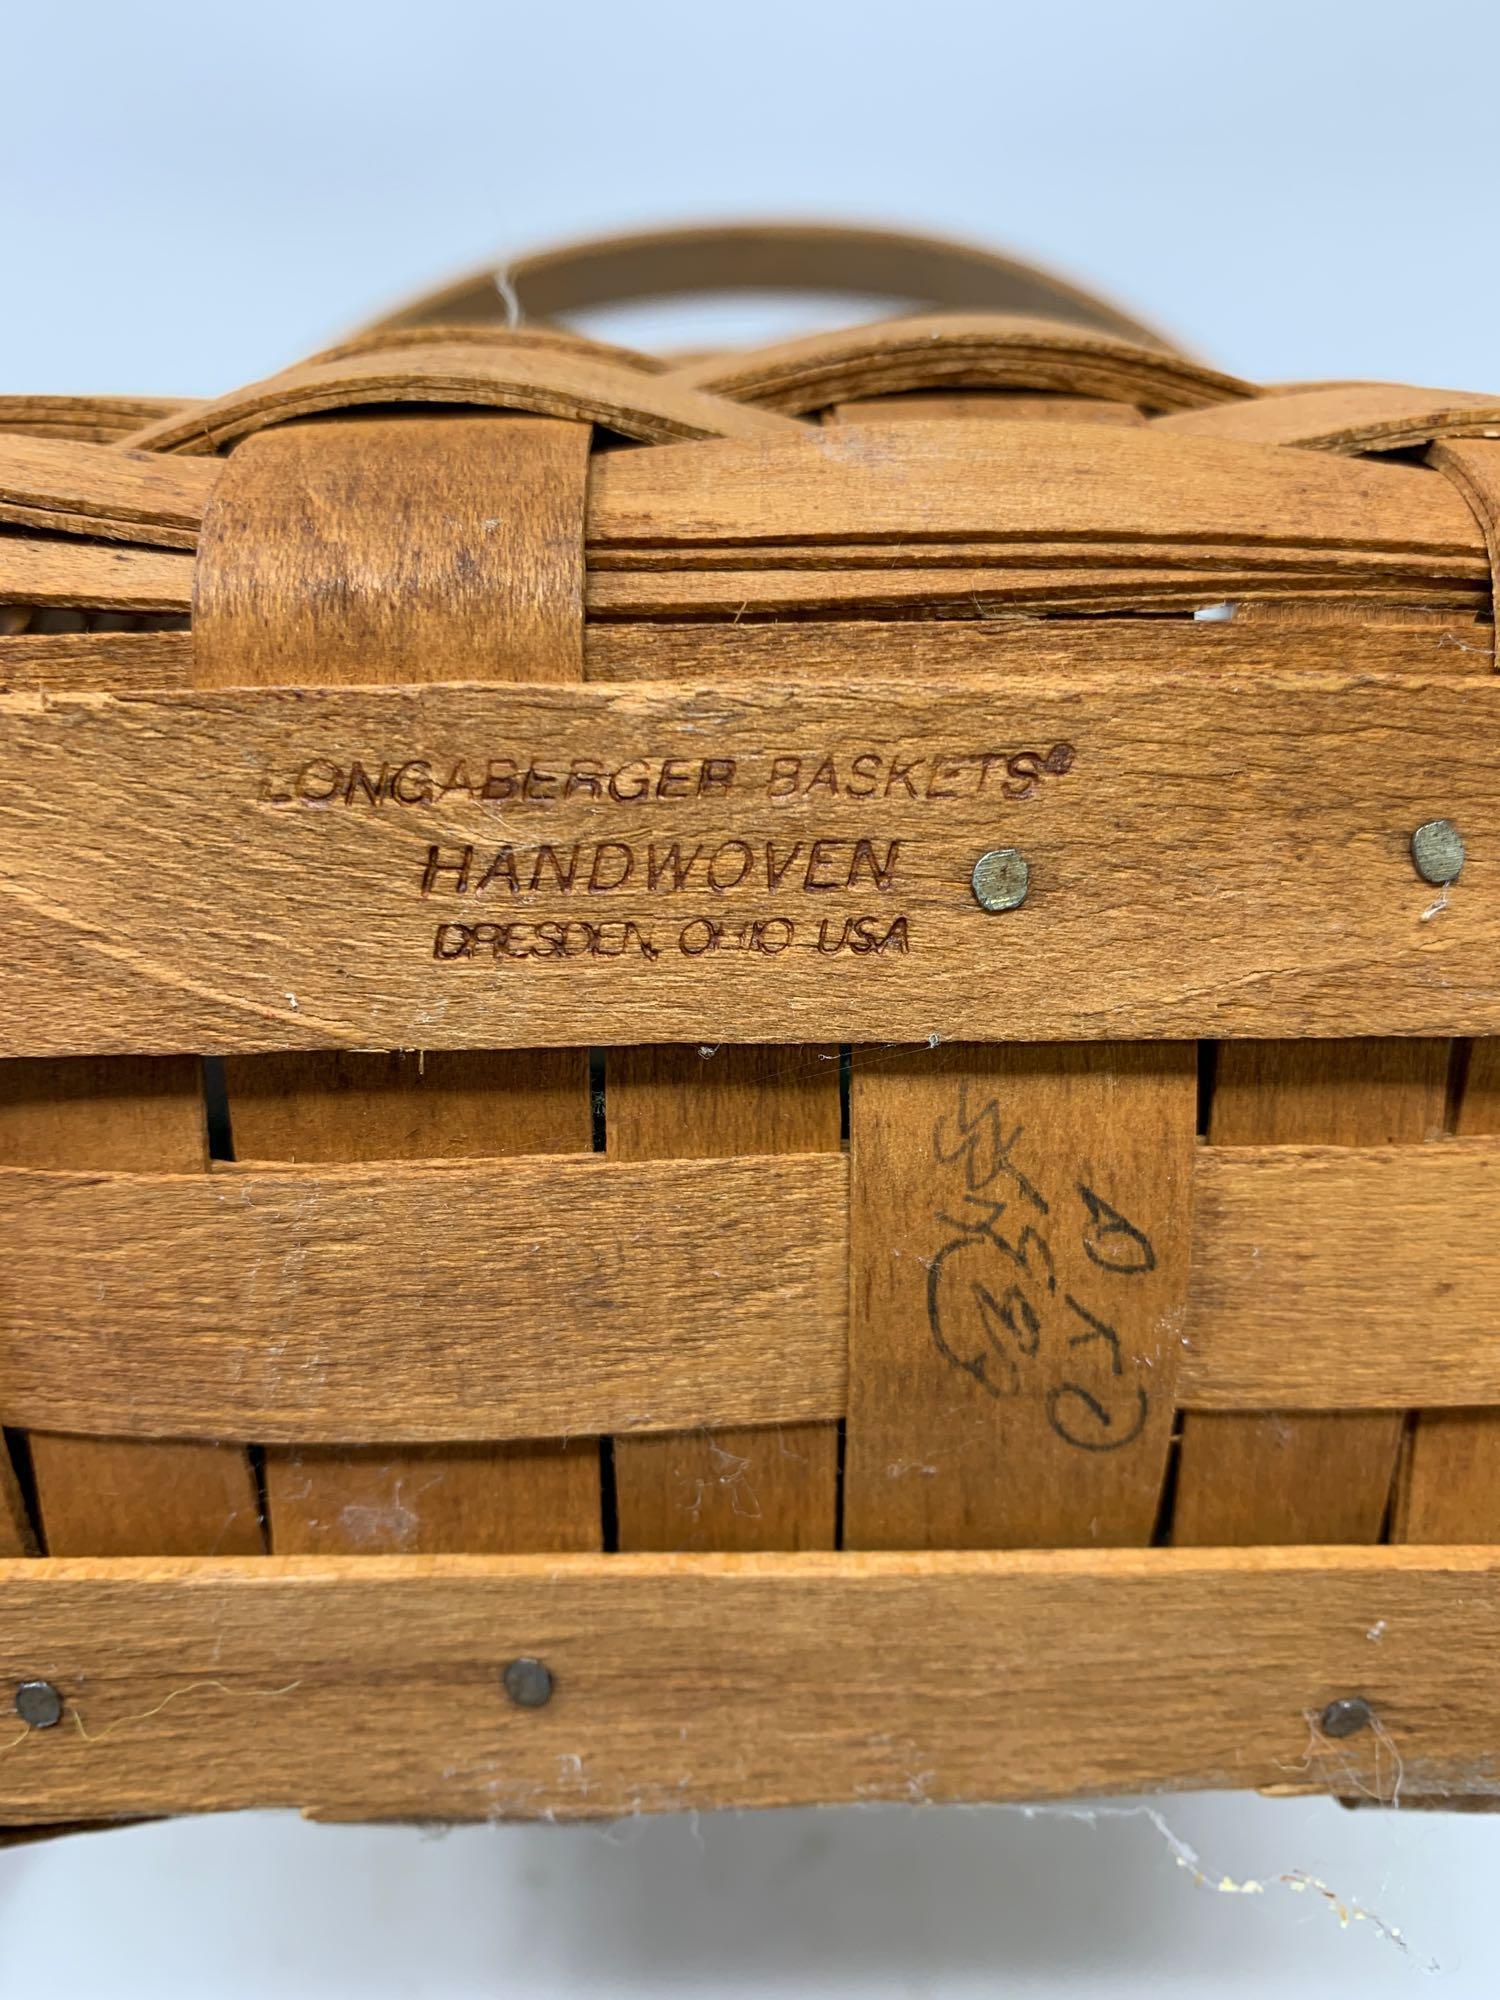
(86, 489)
(1343, 417)
(122, 1495)
(371, 1687)
(228, 871)
(1449, 1488)
(516, 1299)
(1288, 1476)
(577, 387)
(774, 1486)
(311, 551)
(956, 351)
(1425, 642)
(1339, 1278)
(1018, 1264)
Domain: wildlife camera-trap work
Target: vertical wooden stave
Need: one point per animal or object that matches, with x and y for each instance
(452, 547)
(123, 1496)
(1290, 1477)
(1449, 1489)
(1019, 1240)
(920, 1457)
(767, 1487)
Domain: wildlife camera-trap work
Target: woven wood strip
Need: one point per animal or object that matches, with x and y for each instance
(316, 1304)
(83, 419)
(86, 489)
(342, 1304)
(1344, 417)
(1296, 1477)
(1311, 1264)
(1419, 642)
(308, 553)
(110, 1495)
(576, 385)
(371, 1687)
(958, 351)
(1018, 1267)
(1450, 1483)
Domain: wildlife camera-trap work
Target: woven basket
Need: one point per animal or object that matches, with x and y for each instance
(748, 1080)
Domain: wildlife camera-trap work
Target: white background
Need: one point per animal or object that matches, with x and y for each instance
(194, 196)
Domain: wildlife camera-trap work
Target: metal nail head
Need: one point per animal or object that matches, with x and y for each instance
(1347, 1717)
(39, 1704)
(1001, 879)
(528, 1682)
(1437, 850)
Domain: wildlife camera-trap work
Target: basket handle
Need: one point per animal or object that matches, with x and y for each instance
(928, 272)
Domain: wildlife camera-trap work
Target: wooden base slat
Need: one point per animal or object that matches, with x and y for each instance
(372, 1688)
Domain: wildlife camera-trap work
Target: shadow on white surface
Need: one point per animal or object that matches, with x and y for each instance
(867, 1901)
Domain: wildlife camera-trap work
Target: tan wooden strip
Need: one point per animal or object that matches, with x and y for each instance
(16, 1538)
(1426, 642)
(1422, 641)
(1344, 417)
(371, 1687)
(82, 419)
(1322, 1477)
(1018, 1265)
(33, 571)
(390, 339)
(1474, 469)
(113, 1496)
(956, 351)
(494, 585)
(1004, 405)
(115, 662)
(211, 870)
(1334, 1277)
(411, 607)
(992, 592)
(560, 383)
(409, 1107)
(88, 489)
(466, 1301)
(1023, 483)
(770, 1488)
(1450, 1486)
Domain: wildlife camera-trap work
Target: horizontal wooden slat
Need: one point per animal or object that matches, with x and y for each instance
(1345, 417)
(372, 1686)
(90, 489)
(1019, 484)
(539, 1297)
(73, 574)
(1340, 1278)
(818, 591)
(1227, 857)
(1422, 642)
(958, 351)
(566, 382)
(321, 1304)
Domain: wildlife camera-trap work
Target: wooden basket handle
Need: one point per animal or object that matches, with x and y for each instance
(928, 272)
